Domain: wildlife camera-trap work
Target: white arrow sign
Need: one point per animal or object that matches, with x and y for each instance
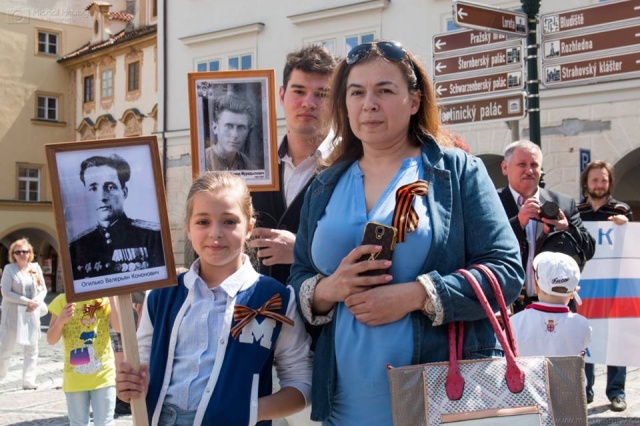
(462, 14)
(440, 67)
(440, 44)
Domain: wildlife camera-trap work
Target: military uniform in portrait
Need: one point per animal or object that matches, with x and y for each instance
(127, 245)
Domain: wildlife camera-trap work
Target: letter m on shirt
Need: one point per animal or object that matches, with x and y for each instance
(258, 332)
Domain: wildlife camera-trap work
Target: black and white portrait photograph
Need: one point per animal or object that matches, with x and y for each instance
(233, 125)
(111, 215)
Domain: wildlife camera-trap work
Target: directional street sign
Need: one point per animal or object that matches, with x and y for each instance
(456, 40)
(510, 106)
(479, 16)
(479, 60)
(482, 84)
(575, 19)
(591, 42)
(478, 74)
(614, 67)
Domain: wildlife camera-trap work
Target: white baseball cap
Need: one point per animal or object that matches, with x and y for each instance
(557, 274)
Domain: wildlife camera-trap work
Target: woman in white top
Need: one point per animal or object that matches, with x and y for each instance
(23, 293)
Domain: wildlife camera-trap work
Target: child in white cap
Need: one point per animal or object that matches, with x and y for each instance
(548, 327)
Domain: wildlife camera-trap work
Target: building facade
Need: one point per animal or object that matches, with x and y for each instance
(603, 117)
(36, 109)
(74, 82)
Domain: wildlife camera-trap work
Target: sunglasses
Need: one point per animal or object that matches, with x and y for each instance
(21, 252)
(391, 50)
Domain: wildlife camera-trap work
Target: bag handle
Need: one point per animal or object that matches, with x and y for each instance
(514, 375)
(504, 312)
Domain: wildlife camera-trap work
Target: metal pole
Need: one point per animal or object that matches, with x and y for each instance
(531, 8)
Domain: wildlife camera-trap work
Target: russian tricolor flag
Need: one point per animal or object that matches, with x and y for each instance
(610, 292)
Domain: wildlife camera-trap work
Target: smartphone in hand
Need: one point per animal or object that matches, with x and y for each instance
(380, 235)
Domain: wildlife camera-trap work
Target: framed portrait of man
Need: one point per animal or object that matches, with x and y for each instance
(111, 217)
(233, 125)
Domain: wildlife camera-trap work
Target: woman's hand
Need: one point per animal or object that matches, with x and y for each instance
(386, 304)
(32, 305)
(346, 280)
(130, 385)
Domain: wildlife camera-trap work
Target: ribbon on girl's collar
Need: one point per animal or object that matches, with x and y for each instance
(243, 315)
(405, 218)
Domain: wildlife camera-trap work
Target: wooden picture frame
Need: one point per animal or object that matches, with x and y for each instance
(233, 125)
(111, 217)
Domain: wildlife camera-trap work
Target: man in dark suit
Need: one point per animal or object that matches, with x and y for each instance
(523, 200)
(304, 98)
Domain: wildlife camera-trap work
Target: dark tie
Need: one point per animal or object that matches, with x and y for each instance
(405, 218)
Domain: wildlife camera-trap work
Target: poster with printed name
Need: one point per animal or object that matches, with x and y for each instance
(610, 292)
(111, 217)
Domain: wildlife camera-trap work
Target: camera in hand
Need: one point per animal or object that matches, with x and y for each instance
(549, 210)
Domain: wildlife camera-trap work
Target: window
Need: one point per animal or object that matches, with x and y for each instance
(208, 65)
(88, 89)
(240, 62)
(47, 43)
(133, 76)
(28, 183)
(352, 41)
(330, 44)
(234, 63)
(106, 83)
(451, 26)
(47, 108)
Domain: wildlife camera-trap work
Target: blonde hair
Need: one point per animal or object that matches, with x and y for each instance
(21, 242)
(214, 182)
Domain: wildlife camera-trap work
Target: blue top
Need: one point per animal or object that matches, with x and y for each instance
(363, 388)
(468, 225)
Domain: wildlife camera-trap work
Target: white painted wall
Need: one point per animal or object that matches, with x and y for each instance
(409, 21)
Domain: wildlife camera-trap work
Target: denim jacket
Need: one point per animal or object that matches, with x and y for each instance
(469, 226)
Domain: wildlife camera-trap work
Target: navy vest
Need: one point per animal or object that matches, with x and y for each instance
(229, 403)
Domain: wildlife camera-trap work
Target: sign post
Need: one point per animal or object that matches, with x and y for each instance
(479, 73)
(591, 44)
(481, 110)
(531, 8)
(473, 15)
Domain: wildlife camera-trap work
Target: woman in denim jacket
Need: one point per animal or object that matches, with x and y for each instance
(392, 153)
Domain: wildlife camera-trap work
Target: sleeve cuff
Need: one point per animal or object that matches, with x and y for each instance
(433, 305)
(307, 290)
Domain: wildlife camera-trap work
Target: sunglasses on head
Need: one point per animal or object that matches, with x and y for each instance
(21, 252)
(391, 50)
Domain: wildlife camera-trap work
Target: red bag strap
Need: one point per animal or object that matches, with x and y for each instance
(514, 375)
(493, 281)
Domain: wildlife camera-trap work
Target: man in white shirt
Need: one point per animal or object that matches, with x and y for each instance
(523, 200)
(304, 97)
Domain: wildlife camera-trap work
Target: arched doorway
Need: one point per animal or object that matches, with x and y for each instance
(493, 164)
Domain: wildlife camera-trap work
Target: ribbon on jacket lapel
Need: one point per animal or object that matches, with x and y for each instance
(405, 218)
(243, 315)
